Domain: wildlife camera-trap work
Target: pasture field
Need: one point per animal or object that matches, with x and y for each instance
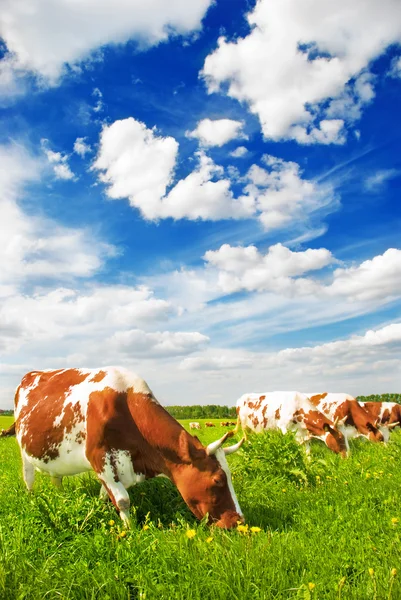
(322, 529)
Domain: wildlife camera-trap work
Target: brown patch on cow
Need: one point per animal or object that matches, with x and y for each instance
(386, 416)
(45, 402)
(98, 377)
(298, 416)
(277, 414)
(262, 398)
(317, 398)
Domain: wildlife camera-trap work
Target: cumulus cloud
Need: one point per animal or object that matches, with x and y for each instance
(395, 70)
(299, 55)
(281, 196)
(42, 36)
(137, 164)
(239, 152)
(58, 160)
(247, 269)
(378, 278)
(216, 132)
(81, 147)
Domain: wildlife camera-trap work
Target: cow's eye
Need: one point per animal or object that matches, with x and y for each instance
(218, 480)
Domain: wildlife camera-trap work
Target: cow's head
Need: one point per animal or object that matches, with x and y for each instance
(321, 427)
(366, 423)
(204, 480)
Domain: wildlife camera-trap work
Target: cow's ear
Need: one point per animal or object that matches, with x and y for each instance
(188, 451)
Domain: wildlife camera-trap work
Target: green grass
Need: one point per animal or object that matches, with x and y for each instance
(324, 523)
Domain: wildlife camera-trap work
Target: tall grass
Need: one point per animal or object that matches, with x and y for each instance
(329, 529)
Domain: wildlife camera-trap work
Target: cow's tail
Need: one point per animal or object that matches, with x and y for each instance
(8, 432)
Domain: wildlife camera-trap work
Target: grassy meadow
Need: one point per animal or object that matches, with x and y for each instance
(326, 528)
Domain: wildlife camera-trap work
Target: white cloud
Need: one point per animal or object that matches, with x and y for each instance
(139, 165)
(377, 181)
(59, 161)
(43, 36)
(199, 197)
(217, 132)
(81, 147)
(395, 70)
(99, 106)
(248, 269)
(281, 197)
(298, 55)
(378, 278)
(34, 246)
(136, 342)
(360, 364)
(136, 164)
(239, 152)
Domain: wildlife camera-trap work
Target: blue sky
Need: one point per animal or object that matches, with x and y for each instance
(204, 192)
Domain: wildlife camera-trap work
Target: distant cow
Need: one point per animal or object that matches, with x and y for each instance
(288, 411)
(354, 420)
(208, 424)
(387, 415)
(194, 425)
(107, 420)
(8, 432)
(224, 424)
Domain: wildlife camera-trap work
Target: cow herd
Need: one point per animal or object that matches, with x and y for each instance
(331, 417)
(107, 420)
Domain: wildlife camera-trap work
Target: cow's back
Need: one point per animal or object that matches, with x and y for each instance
(52, 409)
(271, 410)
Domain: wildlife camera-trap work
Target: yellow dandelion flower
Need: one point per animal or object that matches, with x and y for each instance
(190, 533)
(284, 490)
(368, 475)
(371, 571)
(393, 572)
(209, 539)
(395, 520)
(123, 534)
(255, 529)
(345, 482)
(311, 586)
(242, 528)
(145, 527)
(111, 523)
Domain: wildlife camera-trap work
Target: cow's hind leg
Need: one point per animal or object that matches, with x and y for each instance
(28, 472)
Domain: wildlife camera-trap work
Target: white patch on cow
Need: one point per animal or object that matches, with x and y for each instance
(221, 457)
(282, 404)
(118, 463)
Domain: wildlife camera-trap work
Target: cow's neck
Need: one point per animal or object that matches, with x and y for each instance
(161, 434)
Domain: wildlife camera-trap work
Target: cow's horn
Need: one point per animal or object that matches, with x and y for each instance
(393, 425)
(336, 422)
(234, 448)
(214, 446)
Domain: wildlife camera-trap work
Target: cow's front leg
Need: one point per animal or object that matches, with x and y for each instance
(120, 498)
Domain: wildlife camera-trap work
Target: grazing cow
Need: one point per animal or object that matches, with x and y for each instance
(288, 411)
(107, 420)
(224, 424)
(387, 415)
(194, 425)
(353, 419)
(8, 432)
(208, 424)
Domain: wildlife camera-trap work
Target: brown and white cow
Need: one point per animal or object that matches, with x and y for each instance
(387, 415)
(194, 425)
(288, 411)
(107, 420)
(354, 420)
(209, 424)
